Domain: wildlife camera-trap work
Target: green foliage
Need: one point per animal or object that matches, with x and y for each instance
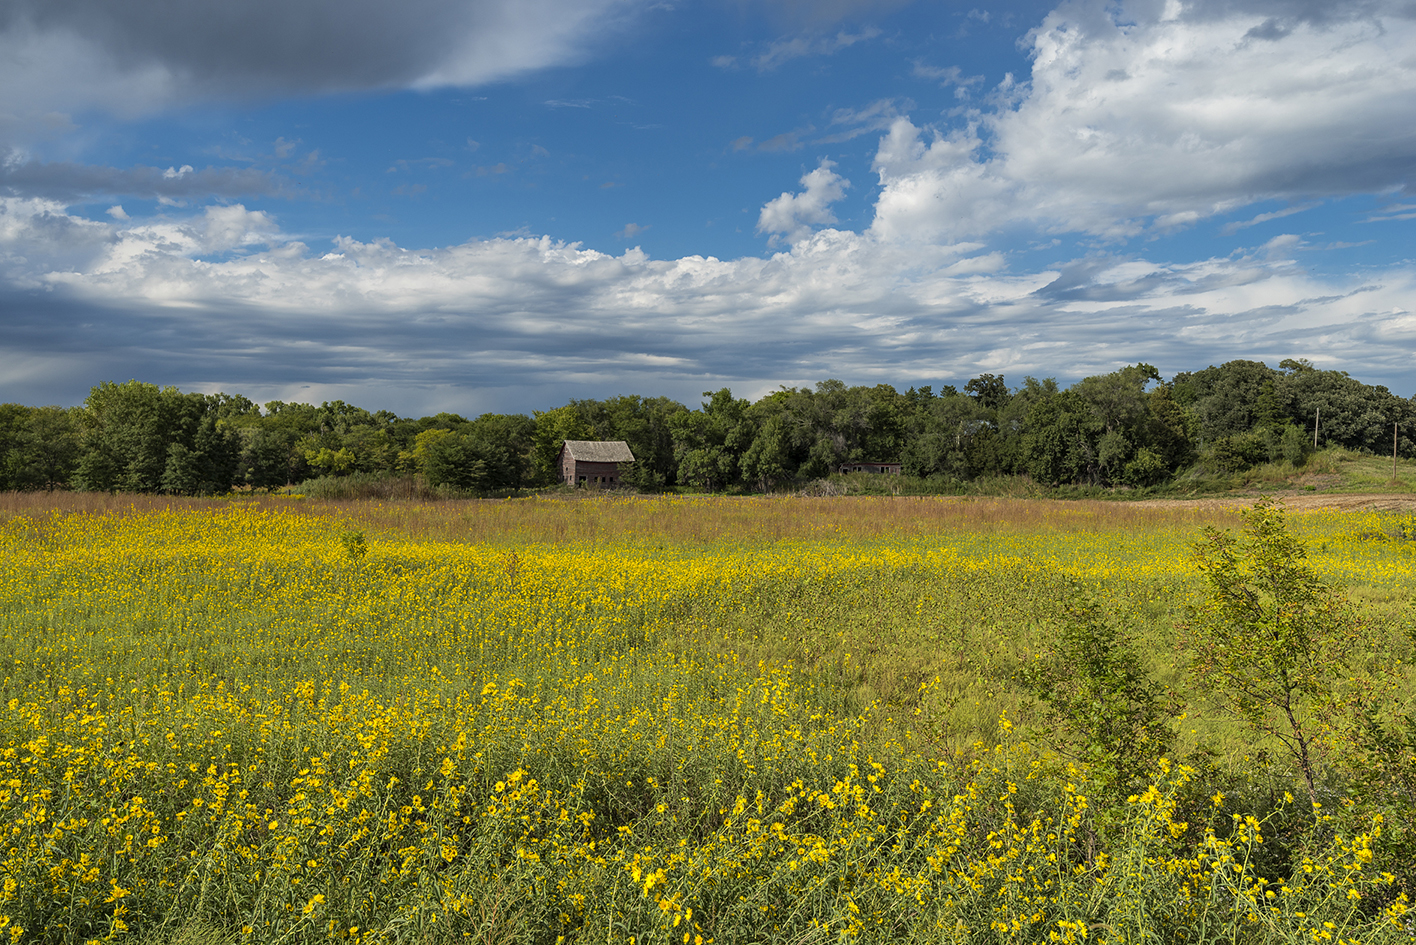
(1059, 440)
(39, 447)
(989, 390)
(355, 546)
(1146, 468)
(208, 466)
(1382, 771)
(709, 444)
(1122, 429)
(1100, 706)
(1293, 445)
(956, 436)
(1270, 638)
(467, 464)
(268, 458)
(1231, 454)
(128, 431)
(1226, 398)
(369, 487)
(553, 428)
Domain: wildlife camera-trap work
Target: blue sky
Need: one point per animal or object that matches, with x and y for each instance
(502, 204)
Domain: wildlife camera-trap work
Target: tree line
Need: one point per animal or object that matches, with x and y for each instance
(1127, 428)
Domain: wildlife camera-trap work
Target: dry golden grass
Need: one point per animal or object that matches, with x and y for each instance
(692, 520)
(702, 520)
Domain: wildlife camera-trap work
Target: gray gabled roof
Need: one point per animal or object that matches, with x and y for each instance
(599, 451)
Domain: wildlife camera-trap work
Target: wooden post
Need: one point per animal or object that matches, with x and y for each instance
(1394, 427)
(1316, 417)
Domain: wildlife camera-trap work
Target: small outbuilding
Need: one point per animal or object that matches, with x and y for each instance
(594, 462)
(888, 469)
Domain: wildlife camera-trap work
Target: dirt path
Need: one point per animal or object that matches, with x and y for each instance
(1301, 502)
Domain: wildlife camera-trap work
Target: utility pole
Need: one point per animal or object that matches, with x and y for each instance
(1316, 417)
(1394, 428)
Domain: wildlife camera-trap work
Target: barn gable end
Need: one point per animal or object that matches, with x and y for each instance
(594, 462)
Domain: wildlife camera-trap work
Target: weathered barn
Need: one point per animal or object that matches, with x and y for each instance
(594, 462)
(889, 469)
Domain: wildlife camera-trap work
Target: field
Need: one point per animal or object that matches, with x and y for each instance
(653, 720)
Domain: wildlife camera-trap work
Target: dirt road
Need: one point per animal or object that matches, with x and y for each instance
(1302, 501)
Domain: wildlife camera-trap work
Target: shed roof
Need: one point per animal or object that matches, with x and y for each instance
(599, 451)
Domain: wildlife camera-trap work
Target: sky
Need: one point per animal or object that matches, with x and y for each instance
(500, 205)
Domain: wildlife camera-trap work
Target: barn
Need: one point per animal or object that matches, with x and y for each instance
(594, 462)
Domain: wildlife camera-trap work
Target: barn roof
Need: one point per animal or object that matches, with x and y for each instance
(599, 451)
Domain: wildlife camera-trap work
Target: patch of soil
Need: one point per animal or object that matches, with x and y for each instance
(1300, 502)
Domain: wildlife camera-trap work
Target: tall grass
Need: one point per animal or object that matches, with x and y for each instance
(768, 720)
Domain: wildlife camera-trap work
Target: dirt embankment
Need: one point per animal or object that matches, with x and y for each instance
(1301, 502)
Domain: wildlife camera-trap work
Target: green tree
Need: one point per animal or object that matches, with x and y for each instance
(1225, 399)
(128, 430)
(1169, 430)
(1059, 440)
(461, 462)
(553, 428)
(269, 459)
(950, 439)
(1270, 638)
(991, 391)
(769, 459)
(1355, 415)
(208, 466)
(39, 447)
(509, 440)
(709, 443)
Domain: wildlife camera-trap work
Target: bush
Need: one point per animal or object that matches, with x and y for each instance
(1231, 454)
(367, 486)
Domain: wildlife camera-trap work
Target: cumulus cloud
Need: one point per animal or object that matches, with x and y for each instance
(791, 216)
(222, 298)
(1154, 115)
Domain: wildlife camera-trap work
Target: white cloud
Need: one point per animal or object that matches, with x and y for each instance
(225, 228)
(797, 47)
(951, 75)
(1231, 228)
(1156, 116)
(793, 215)
(1133, 122)
(852, 122)
(1394, 212)
(223, 298)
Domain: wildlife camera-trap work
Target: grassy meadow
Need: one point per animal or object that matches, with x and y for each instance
(645, 720)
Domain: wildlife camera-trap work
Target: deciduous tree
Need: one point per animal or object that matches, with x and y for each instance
(1270, 638)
